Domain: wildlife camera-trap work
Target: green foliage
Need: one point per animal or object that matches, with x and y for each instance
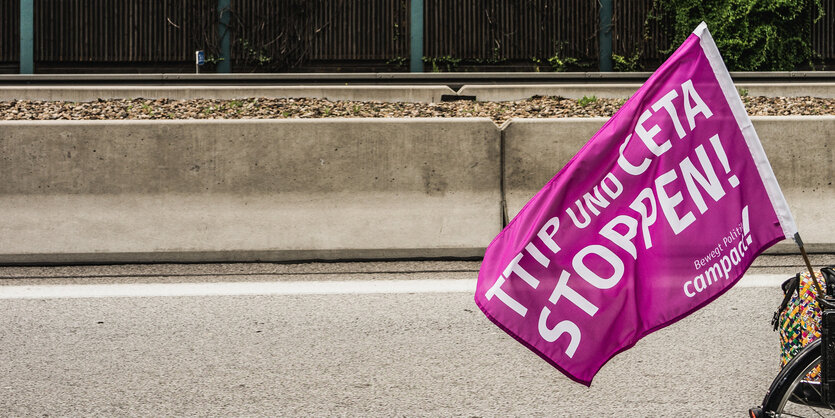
(496, 53)
(213, 59)
(622, 63)
(561, 64)
(254, 56)
(446, 63)
(397, 61)
(752, 35)
(536, 63)
(585, 101)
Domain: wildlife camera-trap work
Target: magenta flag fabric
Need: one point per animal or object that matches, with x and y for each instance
(660, 213)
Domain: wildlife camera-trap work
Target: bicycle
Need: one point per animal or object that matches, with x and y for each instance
(792, 393)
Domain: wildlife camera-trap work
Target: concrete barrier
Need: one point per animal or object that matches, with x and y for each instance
(536, 149)
(280, 190)
(800, 150)
(497, 93)
(275, 190)
(423, 94)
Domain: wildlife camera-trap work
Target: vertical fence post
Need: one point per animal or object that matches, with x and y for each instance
(605, 35)
(225, 64)
(27, 44)
(416, 37)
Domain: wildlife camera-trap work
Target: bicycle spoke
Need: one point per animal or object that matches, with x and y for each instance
(818, 392)
(793, 394)
(810, 407)
(788, 414)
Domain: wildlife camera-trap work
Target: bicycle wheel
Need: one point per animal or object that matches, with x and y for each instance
(791, 395)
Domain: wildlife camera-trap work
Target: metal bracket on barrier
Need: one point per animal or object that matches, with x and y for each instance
(457, 97)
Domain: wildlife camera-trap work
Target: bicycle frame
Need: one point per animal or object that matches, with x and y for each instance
(789, 386)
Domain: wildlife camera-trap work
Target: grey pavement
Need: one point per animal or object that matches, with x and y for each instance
(407, 354)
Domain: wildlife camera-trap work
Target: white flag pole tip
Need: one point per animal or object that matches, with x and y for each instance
(700, 29)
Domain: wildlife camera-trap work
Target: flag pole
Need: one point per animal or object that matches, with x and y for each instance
(808, 264)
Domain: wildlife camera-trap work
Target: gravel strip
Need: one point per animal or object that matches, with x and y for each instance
(262, 108)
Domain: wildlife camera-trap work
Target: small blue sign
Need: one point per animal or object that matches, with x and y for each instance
(200, 57)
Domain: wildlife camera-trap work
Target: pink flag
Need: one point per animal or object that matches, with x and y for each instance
(661, 212)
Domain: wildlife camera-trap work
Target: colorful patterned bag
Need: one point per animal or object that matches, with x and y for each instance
(798, 319)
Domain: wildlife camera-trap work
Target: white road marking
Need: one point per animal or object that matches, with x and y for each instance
(134, 290)
(762, 280)
(236, 289)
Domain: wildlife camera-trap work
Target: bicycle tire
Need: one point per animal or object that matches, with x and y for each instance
(790, 395)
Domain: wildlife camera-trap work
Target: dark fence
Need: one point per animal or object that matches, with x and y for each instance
(9, 32)
(343, 35)
(142, 31)
(823, 32)
(309, 34)
(634, 33)
(540, 33)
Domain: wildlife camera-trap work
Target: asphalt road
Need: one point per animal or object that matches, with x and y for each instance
(410, 353)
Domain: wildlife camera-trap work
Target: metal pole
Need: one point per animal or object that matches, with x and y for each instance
(605, 35)
(27, 46)
(808, 263)
(225, 64)
(416, 37)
